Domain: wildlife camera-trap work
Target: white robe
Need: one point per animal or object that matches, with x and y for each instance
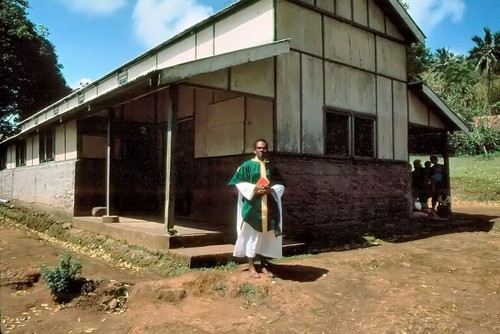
(251, 242)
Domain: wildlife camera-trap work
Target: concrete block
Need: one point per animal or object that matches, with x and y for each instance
(110, 219)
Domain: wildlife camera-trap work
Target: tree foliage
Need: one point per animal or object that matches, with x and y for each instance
(30, 76)
(486, 54)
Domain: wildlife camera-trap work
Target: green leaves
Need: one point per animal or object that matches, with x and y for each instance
(61, 275)
(30, 76)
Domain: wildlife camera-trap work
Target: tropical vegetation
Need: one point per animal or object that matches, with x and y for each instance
(30, 75)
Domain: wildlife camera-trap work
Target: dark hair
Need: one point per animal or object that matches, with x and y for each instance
(260, 140)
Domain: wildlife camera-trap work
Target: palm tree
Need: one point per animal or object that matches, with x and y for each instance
(486, 53)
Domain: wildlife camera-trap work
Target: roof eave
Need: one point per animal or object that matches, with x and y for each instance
(402, 19)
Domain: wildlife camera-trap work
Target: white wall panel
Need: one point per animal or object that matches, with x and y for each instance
(360, 12)
(180, 52)
(71, 140)
(254, 78)
(312, 105)
(107, 85)
(344, 9)
(218, 79)
(258, 122)
(203, 99)
(141, 68)
(400, 120)
(90, 93)
(225, 140)
(435, 121)
(288, 102)
(306, 35)
(350, 89)
(36, 150)
(255, 22)
(60, 143)
(392, 30)
(349, 45)
(384, 118)
(29, 151)
(328, 5)
(391, 58)
(205, 43)
(417, 110)
(376, 17)
(226, 112)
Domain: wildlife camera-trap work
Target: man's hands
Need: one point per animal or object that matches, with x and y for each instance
(262, 190)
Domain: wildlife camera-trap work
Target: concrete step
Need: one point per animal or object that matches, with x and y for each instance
(216, 255)
(201, 239)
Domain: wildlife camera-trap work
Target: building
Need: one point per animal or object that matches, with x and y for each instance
(324, 81)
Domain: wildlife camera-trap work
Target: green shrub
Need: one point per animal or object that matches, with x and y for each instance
(481, 140)
(61, 275)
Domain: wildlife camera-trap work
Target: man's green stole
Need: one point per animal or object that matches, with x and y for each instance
(261, 212)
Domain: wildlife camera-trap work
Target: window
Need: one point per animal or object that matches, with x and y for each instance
(81, 97)
(47, 145)
(122, 78)
(3, 158)
(349, 134)
(21, 153)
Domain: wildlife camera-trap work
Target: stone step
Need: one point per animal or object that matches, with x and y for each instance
(201, 239)
(216, 255)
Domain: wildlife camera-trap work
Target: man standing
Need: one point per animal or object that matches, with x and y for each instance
(437, 179)
(258, 221)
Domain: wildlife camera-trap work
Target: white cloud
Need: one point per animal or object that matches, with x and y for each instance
(155, 21)
(94, 7)
(430, 13)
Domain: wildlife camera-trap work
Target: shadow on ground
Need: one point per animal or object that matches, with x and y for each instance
(298, 273)
(413, 229)
(425, 228)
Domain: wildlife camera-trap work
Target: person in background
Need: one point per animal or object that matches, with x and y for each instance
(417, 179)
(437, 179)
(444, 204)
(259, 218)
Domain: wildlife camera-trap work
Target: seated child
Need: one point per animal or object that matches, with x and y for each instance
(443, 204)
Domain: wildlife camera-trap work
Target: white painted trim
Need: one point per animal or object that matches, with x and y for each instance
(211, 64)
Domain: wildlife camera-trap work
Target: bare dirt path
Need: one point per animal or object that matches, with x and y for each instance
(443, 282)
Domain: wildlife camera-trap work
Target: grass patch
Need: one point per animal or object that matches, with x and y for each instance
(51, 229)
(252, 294)
(473, 178)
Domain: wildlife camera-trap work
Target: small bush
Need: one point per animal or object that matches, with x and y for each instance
(481, 140)
(62, 275)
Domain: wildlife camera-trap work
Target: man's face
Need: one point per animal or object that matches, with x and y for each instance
(260, 150)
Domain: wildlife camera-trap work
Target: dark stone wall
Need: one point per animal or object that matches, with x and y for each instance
(331, 199)
(325, 199)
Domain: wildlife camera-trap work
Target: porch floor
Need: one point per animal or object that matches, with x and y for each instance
(199, 243)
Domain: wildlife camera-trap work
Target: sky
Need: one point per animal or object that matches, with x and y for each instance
(93, 37)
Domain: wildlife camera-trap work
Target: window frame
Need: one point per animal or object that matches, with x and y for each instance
(352, 116)
(43, 135)
(21, 153)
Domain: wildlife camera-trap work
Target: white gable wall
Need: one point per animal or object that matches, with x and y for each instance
(337, 64)
(420, 114)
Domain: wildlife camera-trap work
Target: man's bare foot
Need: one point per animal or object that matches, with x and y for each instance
(254, 274)
(266, 272)
(252, 270)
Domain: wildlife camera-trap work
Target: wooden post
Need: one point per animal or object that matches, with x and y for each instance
(108, 163)
(172, 104)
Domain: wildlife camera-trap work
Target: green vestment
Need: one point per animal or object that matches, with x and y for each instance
(252, 211)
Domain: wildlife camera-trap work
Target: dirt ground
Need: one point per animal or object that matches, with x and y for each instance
(445, 280)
